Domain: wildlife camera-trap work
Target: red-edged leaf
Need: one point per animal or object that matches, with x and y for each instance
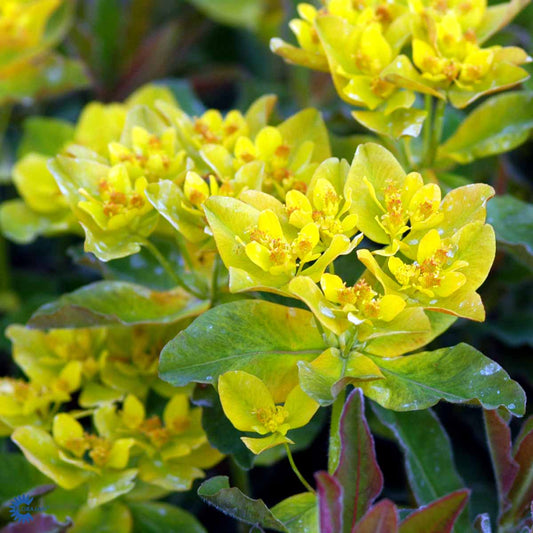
(382, 518)
(358, 471)
(437, 517)
(329, 503)
(505, 467)
(521, 493)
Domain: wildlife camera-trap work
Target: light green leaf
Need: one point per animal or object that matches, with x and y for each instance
(459, 374)
(154, 517)
(258, 337)
(22, 225)
(299, 513)
(116, 302)
(498, 125)
(110, 485)
(232, 501)
(513, 222)
(113, 518)
(399, 123)
(41, 451)
(245, 13)
(45, 136)
(48, 77)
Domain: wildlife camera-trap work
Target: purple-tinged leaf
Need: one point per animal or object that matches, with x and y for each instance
(505, 467)
(40, 523)
(525, 428)
(437, 517)
(428, 455)
(358, 472)
(521, 493)
(329, 503)
(482, 523)
(382, 518)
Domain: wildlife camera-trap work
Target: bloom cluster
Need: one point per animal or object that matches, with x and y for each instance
(111, 373)
(380, 54)
(278, 210)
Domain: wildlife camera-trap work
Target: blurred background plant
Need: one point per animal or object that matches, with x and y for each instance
(216, 54)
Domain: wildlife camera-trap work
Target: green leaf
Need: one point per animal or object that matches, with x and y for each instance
(112, 518)
(154, 517)
(399, 123)
(245, 13)
(459, 374)
(330, 503)
(110, 485)
(217, 492)
(381, 518)
(438, 517)
(428, 455)
(18, 476)
(513, 223)
(299, 513)
(116, 302)
(22, 225)
(358, 472)
(48, 77)
(498, 125)
(45, 136)
(258, 337)
(41, 451)
(219, 430)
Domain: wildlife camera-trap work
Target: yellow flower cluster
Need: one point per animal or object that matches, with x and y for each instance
(107, 447)
(363, 43)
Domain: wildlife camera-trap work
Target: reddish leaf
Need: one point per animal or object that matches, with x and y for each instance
(505, 467)
(521, 493)
(329, 503)
(382, 518)
(358, 471)
(437, 517)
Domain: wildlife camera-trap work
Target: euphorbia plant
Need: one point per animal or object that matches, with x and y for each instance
(138, 384)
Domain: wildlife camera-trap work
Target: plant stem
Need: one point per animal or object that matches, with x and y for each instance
(296, 471)
(334, 436)
(239, 479)
(160, 258)
(428, 101)
(436, 131)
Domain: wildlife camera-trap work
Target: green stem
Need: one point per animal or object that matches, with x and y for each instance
(241, 480)
(214, 280)
(334, 435)
(428, 100)
(408, 153)
(296, 471)
(436, 131)
(160, 258)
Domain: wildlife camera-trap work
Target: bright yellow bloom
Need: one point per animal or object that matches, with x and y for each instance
(270, 249)
(325, 208)
(435, 272)
(249, 405)
(360, 301)
(150, 156)
(118, 201)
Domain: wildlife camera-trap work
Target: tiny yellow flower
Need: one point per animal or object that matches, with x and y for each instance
(326, 209)
(271, 250)
(435, 272)
(249, 405)
(360, 301)
(150, 156)
(117, 203)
